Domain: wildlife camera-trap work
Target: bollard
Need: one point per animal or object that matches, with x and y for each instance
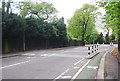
(97, 43)
(92, 49)
(88, 50)
(112, 44)
(95, 48)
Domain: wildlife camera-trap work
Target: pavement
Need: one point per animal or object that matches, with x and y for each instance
(102, 65)
(109, 67)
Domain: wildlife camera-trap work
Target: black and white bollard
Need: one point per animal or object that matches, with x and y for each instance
(88, 50)
(95, 48)
(92, 49)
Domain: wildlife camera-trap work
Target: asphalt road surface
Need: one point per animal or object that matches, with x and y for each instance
(59, 63)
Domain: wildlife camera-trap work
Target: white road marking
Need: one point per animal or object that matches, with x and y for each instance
(29, 54)
(79, 61)
(76, 67)
(62, 74)
(47, 55)
(44, 55)
(65, 77)
(79, 71)
(64, 51)
(92, 67)
(52, 55)
(14, 64)
(30, 57)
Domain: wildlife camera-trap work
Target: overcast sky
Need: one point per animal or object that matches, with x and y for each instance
(66, 8)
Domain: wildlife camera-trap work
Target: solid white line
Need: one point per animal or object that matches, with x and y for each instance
(14, 64)
(79, 61)
(62, 74)
(79, 71)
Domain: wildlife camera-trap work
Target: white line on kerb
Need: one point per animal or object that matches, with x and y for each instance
(14, 64)
(79, 71)
(79, 61)
(61, 74)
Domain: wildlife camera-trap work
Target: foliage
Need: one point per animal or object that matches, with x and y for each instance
(100, 38)
(28, 24)
(92, 37)
(38, 28)
(12, 25)
(112, 16)
(60, 30)
(42, 10)
(82, 23)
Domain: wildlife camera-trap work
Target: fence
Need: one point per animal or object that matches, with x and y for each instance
(16, 45)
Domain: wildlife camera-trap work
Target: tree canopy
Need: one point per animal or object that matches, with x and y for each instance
(41, 10)
(112, 18)
(82, 23)
(32, 22)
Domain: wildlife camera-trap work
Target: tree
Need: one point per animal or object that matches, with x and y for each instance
(42, 10)
(112, 38)
(83, 22)
(29, 25)
(112, 18)
(107, 38)
(60, 31)
(12, 25)
(92, 37)
(100, 38)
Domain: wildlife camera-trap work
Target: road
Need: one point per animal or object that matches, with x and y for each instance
(59, 63)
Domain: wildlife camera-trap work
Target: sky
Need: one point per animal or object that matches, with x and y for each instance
(66, 8)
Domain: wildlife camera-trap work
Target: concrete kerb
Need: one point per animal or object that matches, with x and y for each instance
(100, 74)
(6, 56)
(101, 70)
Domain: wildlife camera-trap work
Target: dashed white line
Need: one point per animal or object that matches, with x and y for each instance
(66, 77)
(29, 54)
(79, 61)
(62, 74)
(79, 71)
(14, 64)
(44, 55)
(76, 67)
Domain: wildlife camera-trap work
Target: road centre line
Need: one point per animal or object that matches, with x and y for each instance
(15, 64)
(61, 74)
(79, 61)
(80, 70)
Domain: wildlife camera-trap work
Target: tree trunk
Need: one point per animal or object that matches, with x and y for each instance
(8, 7)
(24, 41)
